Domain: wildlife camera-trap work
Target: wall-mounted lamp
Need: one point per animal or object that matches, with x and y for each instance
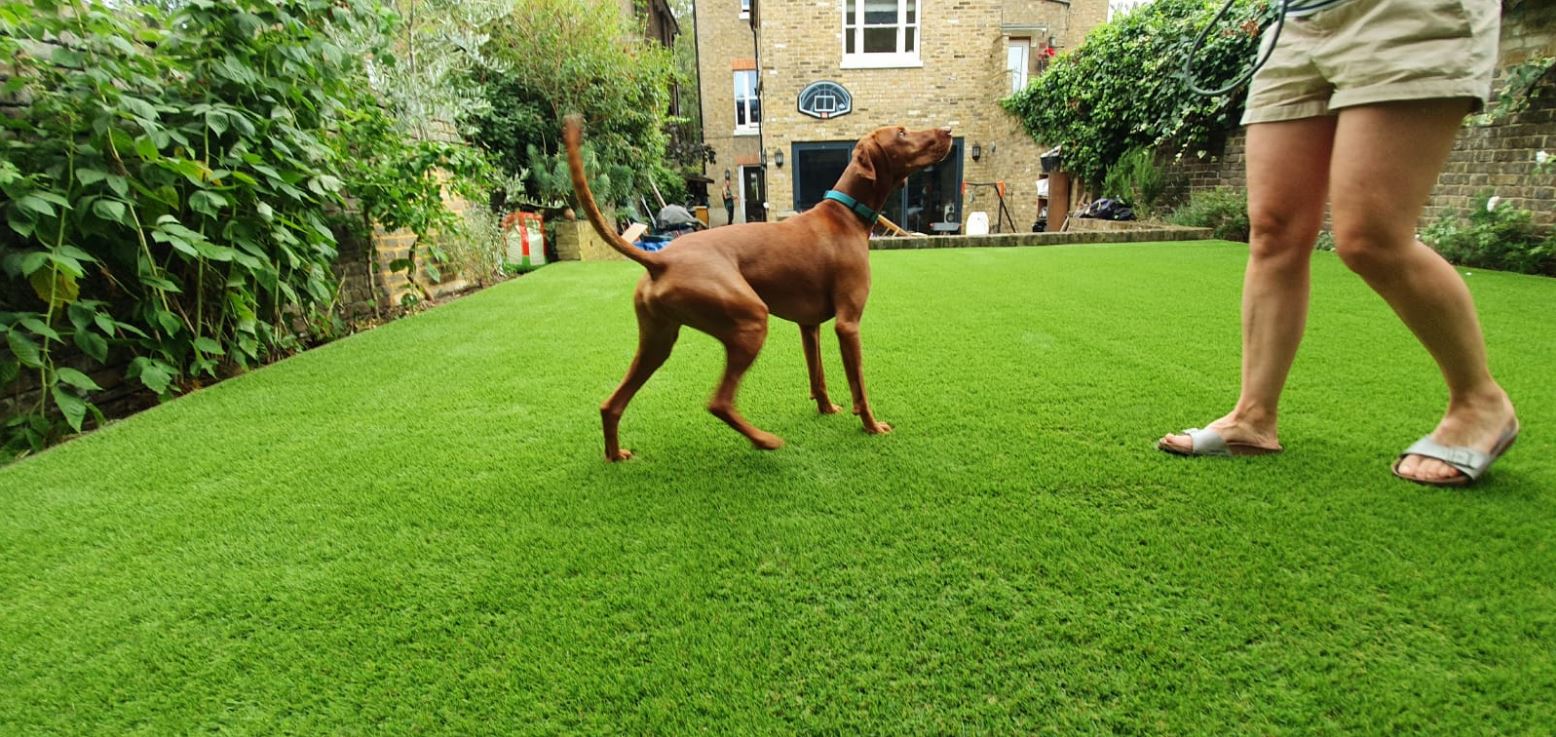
(977, 152)
(778, 158)
(763, 160)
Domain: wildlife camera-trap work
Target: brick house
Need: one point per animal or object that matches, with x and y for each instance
(788, 86)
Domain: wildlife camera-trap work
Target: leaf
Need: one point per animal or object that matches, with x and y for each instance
(152, 374)
(207, 345)
(113, 211)
(9, 370)
(146, 148)
(169, 322)
(55, 286)
(89, 176)
(92, 344)
(24, 348)
(70, 405)
(39, 328)
(119, 185)
(36, 204)
(78, 380)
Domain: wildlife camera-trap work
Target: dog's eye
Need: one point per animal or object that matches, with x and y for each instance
(902, 133)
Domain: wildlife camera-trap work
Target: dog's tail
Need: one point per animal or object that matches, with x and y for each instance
(572, 136)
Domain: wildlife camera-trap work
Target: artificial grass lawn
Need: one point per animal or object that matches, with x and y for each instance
(412, 531)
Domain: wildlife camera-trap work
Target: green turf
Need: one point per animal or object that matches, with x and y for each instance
(412, 531)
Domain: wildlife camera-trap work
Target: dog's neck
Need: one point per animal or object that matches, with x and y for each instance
(869, 191)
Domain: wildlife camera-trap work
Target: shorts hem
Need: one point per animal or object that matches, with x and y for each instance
(1475, 91)
(1283, 113)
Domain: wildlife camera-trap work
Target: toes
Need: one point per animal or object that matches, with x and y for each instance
(620, 455)
(767, 442)
(1178, 442)
(830, 409)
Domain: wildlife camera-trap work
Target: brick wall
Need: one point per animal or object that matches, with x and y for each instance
(1494, 159)
(724, 44)
(960, 81)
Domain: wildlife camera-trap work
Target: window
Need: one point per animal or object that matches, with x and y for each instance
(1017, 62)
(745, 8)
(880, 33)
(748, 106)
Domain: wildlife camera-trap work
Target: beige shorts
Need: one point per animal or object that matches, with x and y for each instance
(1362, 52)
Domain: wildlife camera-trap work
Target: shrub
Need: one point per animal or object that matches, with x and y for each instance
(1123, 88)
(1224, 211)
(167, 191)
(1496, 236)
(1137, 180)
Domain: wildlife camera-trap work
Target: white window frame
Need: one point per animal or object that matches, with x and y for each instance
(749, 129)
(1019, 74)
(882, 60)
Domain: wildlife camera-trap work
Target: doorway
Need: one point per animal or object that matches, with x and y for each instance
(931, 195)
(753, 193)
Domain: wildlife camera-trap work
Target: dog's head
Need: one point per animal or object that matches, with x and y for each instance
(888, 155)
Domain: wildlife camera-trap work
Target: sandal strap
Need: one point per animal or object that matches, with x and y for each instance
(1470, 462)
(1207, 442)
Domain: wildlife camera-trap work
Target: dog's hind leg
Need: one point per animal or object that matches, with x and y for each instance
(742, 341)
(810, 335)
(656, 336)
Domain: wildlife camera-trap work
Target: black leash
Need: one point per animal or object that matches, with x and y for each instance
(1199, 45)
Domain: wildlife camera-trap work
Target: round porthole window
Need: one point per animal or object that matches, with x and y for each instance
(823, 100)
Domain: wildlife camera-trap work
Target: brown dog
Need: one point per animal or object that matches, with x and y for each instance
(725, 282)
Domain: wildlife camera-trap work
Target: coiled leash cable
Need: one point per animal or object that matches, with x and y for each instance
(1199, 45)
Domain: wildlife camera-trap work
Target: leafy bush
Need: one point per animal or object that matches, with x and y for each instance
(1496, 236)
(167, 189)
(1224, 211)
(554, 57)
(1137, 180)
(1123, 88)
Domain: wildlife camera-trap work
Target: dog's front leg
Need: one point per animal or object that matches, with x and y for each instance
(848, 342)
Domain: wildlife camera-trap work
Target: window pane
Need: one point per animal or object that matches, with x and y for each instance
(908, 35)
(880, 12)
(851, 36)
(756, 110)
(740, 114)
(912, 12)
(880, 40)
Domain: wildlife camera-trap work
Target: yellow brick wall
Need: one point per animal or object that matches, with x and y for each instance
(724, 42)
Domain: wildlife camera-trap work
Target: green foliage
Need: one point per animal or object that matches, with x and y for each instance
(1123, 88)
(1520, 88)
(1136, 179)
(1495, 236)
(168, 188)
(562, 56)
(1223, 210)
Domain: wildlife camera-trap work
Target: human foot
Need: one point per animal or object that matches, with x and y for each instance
(1486, 425)
(1226, 436)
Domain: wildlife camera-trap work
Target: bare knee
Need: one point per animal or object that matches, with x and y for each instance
(1277, 234)
(1369, 249)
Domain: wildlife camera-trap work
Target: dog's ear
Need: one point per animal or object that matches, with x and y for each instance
(866, 153)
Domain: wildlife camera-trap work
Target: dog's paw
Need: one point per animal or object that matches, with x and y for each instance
(619, 456)
(767, 441)
(879, 428)
(829, 408)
